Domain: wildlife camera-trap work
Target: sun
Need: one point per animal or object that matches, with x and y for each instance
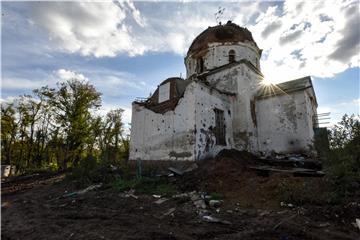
(266, 82)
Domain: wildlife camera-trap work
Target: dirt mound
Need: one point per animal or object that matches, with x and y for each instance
(229, 175)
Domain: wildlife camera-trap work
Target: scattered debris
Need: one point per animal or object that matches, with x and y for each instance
(282, 204)
(170, 211)
(161, 200)
(131, 193)
(90, 188)
(322, 225)
(191, 168)
(285, 220)
(156, 196)
(5, 204)
(211, 219)
(357, 220)
(176, 171)
(215, 203)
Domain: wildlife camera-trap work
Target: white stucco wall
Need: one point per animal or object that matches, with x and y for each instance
(285, 122)
(217, 54)
(184, 133)
(206, 100)
(168, 136)
(242, 80)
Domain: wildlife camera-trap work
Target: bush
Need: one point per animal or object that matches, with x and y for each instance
(90, 170)
(342, 163)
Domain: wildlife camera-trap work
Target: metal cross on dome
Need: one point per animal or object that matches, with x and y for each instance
(219, 13)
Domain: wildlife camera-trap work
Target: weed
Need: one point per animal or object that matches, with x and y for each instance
(145, 186)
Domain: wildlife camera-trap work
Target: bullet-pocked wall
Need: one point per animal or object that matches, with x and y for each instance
(218, 54)
(285, 122)
(164, 136)
(209, 103)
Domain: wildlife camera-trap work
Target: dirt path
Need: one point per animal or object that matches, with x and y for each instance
(37, 210)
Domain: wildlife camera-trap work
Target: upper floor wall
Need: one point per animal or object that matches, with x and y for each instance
(220, 54)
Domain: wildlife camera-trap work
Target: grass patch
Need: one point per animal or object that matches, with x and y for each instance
(147, 186)
(216, 196)
(306, 191)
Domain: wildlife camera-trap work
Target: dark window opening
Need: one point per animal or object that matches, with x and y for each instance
(231, 56)
(219, 127)
(200, 65)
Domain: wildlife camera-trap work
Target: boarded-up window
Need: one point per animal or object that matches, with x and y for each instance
(200, 65)
(219, 127)
(231, 56)
(164, 92)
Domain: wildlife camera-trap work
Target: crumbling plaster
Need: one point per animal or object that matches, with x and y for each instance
(184, 133)
(208, 99)
(217, 54)
(285, 122)
(167, 136)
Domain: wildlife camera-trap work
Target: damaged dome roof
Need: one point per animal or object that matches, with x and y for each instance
(230, 32)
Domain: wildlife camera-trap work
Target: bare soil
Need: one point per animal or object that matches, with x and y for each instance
(35, 208)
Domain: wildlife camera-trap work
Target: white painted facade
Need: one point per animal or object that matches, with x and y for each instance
(183, 122)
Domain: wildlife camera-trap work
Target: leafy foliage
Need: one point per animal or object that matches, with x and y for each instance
(57, 128)
(342, 161)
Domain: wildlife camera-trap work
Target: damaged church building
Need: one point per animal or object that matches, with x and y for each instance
(223, 103)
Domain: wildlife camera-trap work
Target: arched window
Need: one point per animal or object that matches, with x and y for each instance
(200, 65)
(231, 56)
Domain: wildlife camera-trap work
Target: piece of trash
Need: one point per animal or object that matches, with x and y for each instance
(89, 188)
(170, 211)
(161, 200)
(181, 195)
(171, 175)
(200, 203)
(218, 210)
(321, 225)
(264, 213)
(5, 204)
(282, 204)
(214, 203)
(191, 168)
(357, 220)
(131, 195)
(92, 187)
(211, 219)
(176, 171)
(156, 196)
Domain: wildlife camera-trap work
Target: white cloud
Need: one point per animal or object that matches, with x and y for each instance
(91, 28)
(337, 110)
(318, 38)
(310, 38)
(21, 83)
(64, 74)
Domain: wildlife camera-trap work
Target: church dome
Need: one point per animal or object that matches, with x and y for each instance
(230, 32)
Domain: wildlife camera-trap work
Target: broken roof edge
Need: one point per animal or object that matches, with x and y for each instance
(294, 85)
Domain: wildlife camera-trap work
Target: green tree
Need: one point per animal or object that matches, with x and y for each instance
(8, 132)
(343, 159)
(72, 103)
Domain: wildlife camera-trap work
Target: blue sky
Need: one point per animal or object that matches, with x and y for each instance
(127, 48)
